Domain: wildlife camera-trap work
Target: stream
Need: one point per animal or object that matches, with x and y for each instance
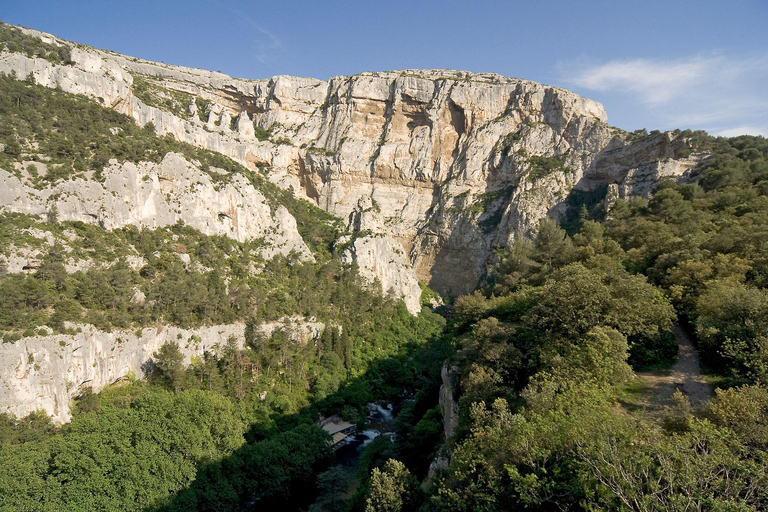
(380, 422)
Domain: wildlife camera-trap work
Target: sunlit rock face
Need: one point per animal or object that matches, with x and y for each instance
(43, 373)
(448, 159)
(451, 160)
(430, 169)
(150, 195)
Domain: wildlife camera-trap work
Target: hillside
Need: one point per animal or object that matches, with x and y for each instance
(194, 268)
(426, 187)
(447, 165)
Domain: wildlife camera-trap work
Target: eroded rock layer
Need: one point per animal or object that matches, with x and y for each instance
(430, 169)
(454, 163)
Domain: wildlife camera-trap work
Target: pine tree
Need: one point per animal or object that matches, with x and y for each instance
(169, 367)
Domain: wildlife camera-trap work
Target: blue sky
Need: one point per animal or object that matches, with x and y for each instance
(653, 64)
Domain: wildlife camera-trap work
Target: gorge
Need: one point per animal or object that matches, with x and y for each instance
(195, 268)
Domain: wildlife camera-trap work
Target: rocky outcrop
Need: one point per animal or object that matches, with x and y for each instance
(448, 405)
(244, 125)
(380, 258)
(298, 328)
(458, 163)
(45, 372)
(450, 411)
(155, 195)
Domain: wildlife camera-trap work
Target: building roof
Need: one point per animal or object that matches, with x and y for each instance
(335, 425)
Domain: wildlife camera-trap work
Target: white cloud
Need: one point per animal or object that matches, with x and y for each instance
(720, 93)
(655, 82)
(744, 130)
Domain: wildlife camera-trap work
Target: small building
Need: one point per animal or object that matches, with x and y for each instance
(338, 429)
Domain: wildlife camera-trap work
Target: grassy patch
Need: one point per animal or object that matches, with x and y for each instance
(633, 394)
(262, 134)
(495, 209)
(320, 151)
(482, 201)
(203, 108)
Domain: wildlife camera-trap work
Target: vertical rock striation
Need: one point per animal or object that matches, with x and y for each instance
(457, 163)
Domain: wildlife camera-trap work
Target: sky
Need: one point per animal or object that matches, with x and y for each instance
(654, 64)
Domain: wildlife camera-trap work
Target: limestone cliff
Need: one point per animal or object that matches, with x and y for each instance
(154, 195)
(457, 163)
(430, 169)
(45, 372)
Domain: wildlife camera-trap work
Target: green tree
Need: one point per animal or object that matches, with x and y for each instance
(744, 411)
(169, 369)
(52, 268)
(515, 266)
(600, 356)
(392, 489)
(206, 372)
(577, 298)
(527, 460)
(552, 246)
(332, 485)
(702, 468)
(235, 369)
(470, 308)
(732, 327)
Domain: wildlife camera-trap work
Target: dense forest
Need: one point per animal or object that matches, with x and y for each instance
(544, 359)
(546, 349)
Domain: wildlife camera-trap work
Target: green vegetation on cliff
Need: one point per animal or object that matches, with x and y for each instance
(13, 40)
(705, 244)
(542, 355)
(155, 95)
(235, 426)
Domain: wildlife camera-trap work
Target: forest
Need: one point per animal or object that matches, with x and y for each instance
(545, 359)
(547, 348)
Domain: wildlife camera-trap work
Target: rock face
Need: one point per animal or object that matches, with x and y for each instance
(299, 329)
(453, 160)
(450, 411)
(456, 163)
(380, 257)
(432, 170)
(155, 195)
(45, 372)
(448, 405)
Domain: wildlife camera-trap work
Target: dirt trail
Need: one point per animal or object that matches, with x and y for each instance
(685, 375)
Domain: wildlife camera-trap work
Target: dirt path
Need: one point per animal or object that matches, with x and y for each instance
(685, 375)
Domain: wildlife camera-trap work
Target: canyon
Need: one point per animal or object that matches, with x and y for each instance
(430, 171)
(448, 164)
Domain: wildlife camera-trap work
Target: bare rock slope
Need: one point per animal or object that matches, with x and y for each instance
(455, 163)
(430, 169)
